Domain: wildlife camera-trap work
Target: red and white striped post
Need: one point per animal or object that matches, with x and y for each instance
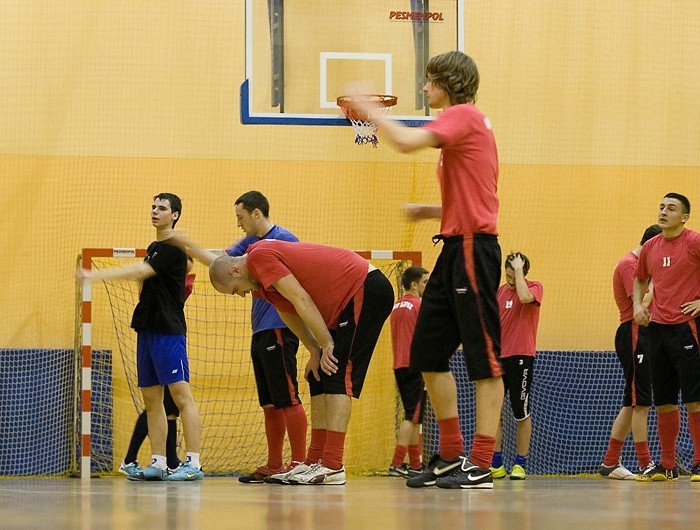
(86, 350)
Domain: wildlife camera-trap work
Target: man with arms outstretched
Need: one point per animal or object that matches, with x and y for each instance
(161, 351)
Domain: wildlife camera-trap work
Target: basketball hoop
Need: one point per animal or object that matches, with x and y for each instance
(365, 129)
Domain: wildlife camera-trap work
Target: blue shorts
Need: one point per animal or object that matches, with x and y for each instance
(161, 359)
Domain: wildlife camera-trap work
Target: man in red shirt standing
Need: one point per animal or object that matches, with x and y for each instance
(519, 302)
(459, 303)
(672, 261)
(336, 303)
(410, 384)
(631, 349)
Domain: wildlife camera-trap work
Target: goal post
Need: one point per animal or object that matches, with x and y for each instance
(222, 380)
(86, 355)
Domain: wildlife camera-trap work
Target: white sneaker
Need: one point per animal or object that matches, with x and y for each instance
(296, 468)
(321, 476)
(131, 469)
(616, 472)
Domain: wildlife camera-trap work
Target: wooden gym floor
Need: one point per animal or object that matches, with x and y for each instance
(363, 503)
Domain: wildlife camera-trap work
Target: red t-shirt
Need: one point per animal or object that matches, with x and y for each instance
(331, 276)
(467, 171)
(403, 323)
(519, 321)
(674, 265)
(623, 284)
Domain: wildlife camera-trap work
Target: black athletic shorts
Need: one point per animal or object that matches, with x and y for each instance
(633, 352)
(459, 306)
(517, 379)
(169, 404)
(412, 393)
(675, 361)
(274, 356)
(356, 338)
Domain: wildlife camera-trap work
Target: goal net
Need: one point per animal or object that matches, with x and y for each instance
(221, 375)
(574, 399)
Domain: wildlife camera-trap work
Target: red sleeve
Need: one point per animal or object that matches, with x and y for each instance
(450, 127)
(537, 290)
(627, 278)
(694, 245)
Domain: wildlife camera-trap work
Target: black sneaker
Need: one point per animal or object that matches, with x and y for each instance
(415, 471)
(467, 476)
(695, 473)
(437, 467)
(658, 474)
(398, 471)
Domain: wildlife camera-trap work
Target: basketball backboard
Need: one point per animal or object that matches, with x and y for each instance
(301, 53)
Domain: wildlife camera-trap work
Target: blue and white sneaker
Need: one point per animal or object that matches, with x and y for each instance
(130, 469)
(150, 473)
(186, 472)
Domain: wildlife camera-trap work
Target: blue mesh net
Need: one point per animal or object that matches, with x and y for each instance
(575, 397)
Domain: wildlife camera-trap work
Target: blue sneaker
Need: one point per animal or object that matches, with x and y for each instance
(186, 472)
(150, 473)
(130, 469)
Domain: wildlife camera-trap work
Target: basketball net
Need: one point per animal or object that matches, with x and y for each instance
(365, 129)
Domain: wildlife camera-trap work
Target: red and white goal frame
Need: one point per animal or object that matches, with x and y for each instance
(87, 255)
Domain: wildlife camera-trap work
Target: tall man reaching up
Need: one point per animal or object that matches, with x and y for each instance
(336, 303)
(459, 302)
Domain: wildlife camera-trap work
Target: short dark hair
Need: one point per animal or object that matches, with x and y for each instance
(252, 200)
(412, 274)
(455, 73)
(682, 198)
(526, 261)
(652, 231)
(175, 204)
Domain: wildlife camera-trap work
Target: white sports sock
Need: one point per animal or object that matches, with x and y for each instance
(193, 460)
(159, 461)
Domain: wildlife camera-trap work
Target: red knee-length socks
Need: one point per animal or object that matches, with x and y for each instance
(399, 455)
(275, 427)
(295, 419)
(451, 441)
(668, 428)
(318, 442)
(694, 428)
(612, 455)
(414, 455)
(482, 450)
(643, 454)
(333, 452)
